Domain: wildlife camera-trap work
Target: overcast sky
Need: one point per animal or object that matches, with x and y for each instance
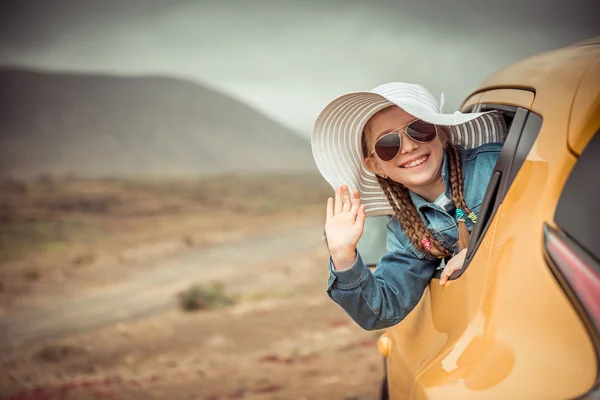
(289, 58)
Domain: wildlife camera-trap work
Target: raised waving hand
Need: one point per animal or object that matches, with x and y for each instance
(344, 226)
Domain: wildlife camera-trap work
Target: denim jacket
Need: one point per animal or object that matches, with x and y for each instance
(382, 298)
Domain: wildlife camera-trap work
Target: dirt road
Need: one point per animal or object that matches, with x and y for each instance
(283, 339)
(153, 289)
(89, 305)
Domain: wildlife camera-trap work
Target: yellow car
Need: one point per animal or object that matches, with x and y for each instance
(522, 319)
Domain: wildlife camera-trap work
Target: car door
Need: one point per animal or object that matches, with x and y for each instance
(429, 345)
(522, 320)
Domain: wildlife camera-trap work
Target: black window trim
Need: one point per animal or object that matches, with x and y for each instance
(522, 134)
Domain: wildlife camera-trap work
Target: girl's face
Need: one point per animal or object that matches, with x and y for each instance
(418, 166)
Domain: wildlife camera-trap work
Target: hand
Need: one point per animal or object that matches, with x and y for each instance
(344, 226)
(455, 264)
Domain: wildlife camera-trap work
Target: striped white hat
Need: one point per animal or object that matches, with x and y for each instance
(336, 137)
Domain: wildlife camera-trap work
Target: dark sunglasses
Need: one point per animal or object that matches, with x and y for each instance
(388, 146)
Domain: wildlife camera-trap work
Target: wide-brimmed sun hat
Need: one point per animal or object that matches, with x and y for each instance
(336, 137)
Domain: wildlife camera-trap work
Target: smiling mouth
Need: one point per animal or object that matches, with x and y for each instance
(415, 163)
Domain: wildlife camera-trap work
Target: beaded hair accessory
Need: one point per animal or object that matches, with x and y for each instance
(460, 217)
(426, 243)
(460, 214)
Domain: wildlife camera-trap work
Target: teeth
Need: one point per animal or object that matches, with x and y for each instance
(415, 163)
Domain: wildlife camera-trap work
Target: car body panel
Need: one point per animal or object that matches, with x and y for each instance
(505, 328)
(541, 72)
(585, 117)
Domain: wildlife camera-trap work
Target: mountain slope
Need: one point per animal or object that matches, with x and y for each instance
(107, 126)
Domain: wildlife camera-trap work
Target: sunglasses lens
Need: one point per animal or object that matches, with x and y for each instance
(421, 131)
(388, 146)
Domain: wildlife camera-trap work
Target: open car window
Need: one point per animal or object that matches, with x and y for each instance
(523, 128)
(518, 129)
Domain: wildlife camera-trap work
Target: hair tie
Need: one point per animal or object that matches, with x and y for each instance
(426, 243)
(460, 215)
(472, 217)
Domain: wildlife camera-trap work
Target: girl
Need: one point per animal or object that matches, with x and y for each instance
(392, 151)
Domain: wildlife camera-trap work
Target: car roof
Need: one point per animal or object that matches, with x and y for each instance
(539, 73)
(566, 83)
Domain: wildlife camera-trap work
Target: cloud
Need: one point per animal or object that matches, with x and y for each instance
(290, 57)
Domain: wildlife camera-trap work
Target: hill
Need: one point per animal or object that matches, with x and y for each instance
(109, 126)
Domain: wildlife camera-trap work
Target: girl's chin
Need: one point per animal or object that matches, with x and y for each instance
(421, 181)
(416, 178)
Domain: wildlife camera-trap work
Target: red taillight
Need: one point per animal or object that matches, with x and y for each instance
(579, 271)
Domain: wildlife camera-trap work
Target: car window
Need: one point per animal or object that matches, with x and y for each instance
(523, 130)
(523, 127)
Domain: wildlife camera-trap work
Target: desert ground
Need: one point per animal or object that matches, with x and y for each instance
(209, 288)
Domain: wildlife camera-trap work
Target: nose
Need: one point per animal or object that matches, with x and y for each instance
(408, 145)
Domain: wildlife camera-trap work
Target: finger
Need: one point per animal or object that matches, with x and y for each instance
(329, 208)
(361, 215)
(338, 200)
(447, 273)
(443, 278)
(355, 202)
(346, 203)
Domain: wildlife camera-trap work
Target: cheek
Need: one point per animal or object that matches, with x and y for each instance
(437, 148)
(437, 143)
(436, 156)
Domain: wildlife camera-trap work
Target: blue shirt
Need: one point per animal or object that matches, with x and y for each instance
(384, 297)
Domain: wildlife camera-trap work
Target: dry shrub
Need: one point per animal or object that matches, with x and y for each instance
(200, 297)
(84, 259)
(58, 353)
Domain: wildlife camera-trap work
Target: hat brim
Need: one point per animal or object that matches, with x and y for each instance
(336, 138)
